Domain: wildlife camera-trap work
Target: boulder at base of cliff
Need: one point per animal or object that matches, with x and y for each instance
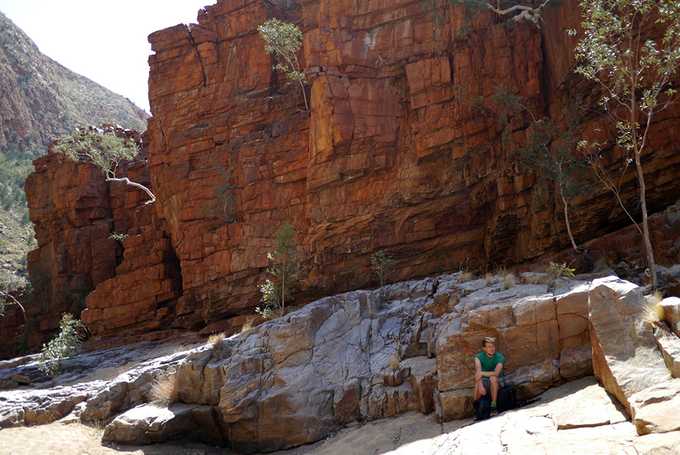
(152, 423)
(626, 358)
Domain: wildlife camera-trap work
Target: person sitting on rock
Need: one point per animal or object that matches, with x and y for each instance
(488, 369)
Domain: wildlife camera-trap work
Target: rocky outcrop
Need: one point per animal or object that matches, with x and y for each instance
(626, 358)
(367, 355)
(671, 311)
(402, 149)
(94, 386)
(362, 355)
(151, 423)
(75, 213)
(543, 335)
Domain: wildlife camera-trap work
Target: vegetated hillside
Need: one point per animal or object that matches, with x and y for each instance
(40, 99)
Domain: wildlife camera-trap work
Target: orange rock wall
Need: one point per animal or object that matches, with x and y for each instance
(402, 151)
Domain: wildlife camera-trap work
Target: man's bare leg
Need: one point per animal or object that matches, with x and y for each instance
(494, 388)
(480, 391)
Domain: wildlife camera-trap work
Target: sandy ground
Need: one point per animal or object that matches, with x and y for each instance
(76, 439)
(408, 434)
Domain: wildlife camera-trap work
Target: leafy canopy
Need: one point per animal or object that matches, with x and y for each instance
(283, 269)
(381, 266)
(628, 67)
(283, 40)
(64, 345)
(102, 148)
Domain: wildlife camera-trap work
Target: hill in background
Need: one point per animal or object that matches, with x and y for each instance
(40, 100)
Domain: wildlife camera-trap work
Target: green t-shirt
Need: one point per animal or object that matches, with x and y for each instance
(489, 363)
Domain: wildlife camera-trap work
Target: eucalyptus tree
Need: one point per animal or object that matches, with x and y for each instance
(631, 50)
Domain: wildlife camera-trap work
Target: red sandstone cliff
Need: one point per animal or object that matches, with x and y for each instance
(401, 151)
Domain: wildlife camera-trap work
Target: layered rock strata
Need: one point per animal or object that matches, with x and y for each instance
(405, 149)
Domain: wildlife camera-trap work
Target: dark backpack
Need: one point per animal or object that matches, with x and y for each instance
(482, 408)
(507, 398)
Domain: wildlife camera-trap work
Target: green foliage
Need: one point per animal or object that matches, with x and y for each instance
(613, 53)
(105, 149)
(14, 169)
(283, 40)
(12, 289)
(271, 297)
(64, 345)
(381, 266)
(551, 151)
(635, 75)
(560, 270)
(283, 269)
(102, 148)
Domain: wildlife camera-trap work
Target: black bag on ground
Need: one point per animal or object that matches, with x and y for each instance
(507, 398)
(482, 408)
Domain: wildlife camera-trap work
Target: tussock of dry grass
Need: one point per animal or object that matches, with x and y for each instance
(164, 389)
(394, 362)
(508, 280)
(653, 311)
(216, 339)
(489, 278)
(247, 326)
(466, 276)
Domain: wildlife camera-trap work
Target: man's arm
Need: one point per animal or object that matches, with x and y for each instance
(496, 372)
(478, 370)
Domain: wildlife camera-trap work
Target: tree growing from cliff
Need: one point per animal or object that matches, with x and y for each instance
(634, 75)
(519, 11)
(550, 151)
(11, 290)
(105, 150)
(63, 346)
(283, 269)
(283, 41)
(381, 266)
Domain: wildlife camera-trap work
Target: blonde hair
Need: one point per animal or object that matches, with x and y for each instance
(490, 340)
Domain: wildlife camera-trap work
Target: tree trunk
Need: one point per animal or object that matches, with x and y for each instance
(304, 95)
(566, 220)
(139, 186)
(649, 251)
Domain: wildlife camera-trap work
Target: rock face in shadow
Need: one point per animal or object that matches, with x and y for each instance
(403, 150)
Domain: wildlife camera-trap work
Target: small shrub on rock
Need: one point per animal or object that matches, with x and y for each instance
(560, 270)
(508, 280)
(283, 40)
(64, 345)
(381, 265)
(283, 270)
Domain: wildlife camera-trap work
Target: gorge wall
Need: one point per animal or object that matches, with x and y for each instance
(402, 151)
